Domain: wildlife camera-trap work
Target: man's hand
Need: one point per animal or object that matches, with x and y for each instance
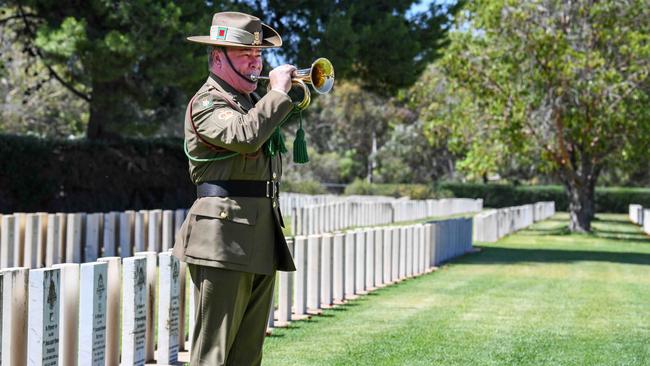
(280, 78)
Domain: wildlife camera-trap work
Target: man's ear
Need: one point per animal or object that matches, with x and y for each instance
(217, 56)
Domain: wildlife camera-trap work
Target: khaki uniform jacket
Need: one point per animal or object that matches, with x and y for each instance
(236, 233)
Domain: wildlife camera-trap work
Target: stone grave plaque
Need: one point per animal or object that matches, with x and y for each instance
(134, 317)
(92, 314)
(43, 319)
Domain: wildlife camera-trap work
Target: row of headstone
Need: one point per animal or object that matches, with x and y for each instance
(42, 240)
(334, 267)
(491, 225)
(70, 314)
(289, 200)
(329, 217)
(37, 240)
(640, 216)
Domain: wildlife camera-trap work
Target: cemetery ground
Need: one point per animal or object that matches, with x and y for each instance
(541, 296)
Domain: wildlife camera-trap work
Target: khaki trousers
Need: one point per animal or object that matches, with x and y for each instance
(231, 310)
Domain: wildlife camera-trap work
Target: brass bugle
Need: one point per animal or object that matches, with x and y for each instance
(320, 76)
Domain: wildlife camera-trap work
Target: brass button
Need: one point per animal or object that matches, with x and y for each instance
(223, 214)
(274, 204)
(274, 175)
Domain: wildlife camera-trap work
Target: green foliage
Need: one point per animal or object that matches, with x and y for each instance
(379, 44)
(562, 86)
(80, 175)
(302, 186)
(608, 199)
(130, 62)
(414, 191)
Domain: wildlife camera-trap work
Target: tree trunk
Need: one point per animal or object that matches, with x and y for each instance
(107, 111)
(580, 207)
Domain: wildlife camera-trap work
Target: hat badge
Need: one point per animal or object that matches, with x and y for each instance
(256, 40)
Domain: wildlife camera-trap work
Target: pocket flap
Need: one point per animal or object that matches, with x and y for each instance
(225, 209)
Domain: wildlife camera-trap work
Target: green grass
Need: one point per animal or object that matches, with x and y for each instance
(539, 297)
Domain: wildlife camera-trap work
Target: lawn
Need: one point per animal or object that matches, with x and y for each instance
(539, 297)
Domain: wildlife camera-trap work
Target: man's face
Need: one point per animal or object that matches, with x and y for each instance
(245, 60)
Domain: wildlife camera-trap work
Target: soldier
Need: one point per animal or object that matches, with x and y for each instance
(232, 237)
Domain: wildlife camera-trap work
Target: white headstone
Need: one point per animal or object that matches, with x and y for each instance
(19, 239)
(338, 270)
(313, 272)
(402, 252)
(379, 256)
(126, 233)
(32, 236)
(61, 236)
(110, 234)
(140, 231)
(7, 239)
(360, 251)
(168, 309)
(388, 255)
(53, 240)
(327, 270)
(395, 252)
(74, 230)
(68, 313)
(92, 314)
(14, 315)
(93, 230)
(154, 239)
(134, 319)
(350, 264)
(43, 319)
(152, 274)
(167, 230)
(113, 307)
(182, 302)
(370, 258)
(300, 276)
(285, 289)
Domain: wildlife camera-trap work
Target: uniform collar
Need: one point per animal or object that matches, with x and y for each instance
(243, 99)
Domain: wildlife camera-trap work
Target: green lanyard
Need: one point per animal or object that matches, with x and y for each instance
(274, 145)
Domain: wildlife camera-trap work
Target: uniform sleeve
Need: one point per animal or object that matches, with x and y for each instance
(221, 125)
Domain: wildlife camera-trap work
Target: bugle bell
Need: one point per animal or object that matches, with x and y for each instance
(320, 76)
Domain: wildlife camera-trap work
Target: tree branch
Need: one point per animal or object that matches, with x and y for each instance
(38, 52)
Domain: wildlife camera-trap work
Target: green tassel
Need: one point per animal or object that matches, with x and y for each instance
(276, 143)
(300, 146)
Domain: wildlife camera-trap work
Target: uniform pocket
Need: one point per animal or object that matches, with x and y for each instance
(220, 230)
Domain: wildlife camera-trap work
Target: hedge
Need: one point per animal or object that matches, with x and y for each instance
(39, 175)
(608, 199)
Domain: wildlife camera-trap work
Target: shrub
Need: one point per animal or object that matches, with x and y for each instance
(608, 199)
(302, 186)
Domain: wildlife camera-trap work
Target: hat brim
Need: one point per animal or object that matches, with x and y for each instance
(268, 42)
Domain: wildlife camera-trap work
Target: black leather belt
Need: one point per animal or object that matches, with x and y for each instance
(238, 188)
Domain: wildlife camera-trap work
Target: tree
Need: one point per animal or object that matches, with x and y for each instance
(128, 60)
(378, 44)
(560, 84)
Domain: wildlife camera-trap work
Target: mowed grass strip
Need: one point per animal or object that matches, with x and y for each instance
(538, 297)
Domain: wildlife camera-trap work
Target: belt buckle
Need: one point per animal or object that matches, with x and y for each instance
(272, 189)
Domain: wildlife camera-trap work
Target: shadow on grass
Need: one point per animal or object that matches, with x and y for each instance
(558, 230)
(499, 255)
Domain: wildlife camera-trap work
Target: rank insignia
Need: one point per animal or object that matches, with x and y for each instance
(226, 114)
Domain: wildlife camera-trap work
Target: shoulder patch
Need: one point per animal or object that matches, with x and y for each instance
(226, 114)
(206, 100)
